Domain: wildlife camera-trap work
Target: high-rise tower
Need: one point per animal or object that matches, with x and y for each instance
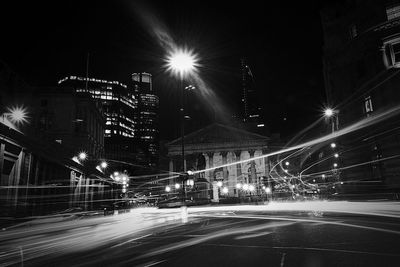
(148, 103)
(252, 111)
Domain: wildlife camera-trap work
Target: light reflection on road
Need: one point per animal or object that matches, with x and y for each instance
(53, 239)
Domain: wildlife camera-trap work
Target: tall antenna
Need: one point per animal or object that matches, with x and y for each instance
(244, 88)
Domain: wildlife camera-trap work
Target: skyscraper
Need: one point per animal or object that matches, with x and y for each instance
(148, 102)
(252, 111)
(120, 108)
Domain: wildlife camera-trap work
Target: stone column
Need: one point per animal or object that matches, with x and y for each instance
(214, 196)
(238, 176)
(253, 175)
(225, 172)
(210, 165)
(171, 170)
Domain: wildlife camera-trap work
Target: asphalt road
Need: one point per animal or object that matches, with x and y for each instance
(210, 237)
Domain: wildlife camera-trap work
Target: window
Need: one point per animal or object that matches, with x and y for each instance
(393, 12)
(368, 105)
(392, 48)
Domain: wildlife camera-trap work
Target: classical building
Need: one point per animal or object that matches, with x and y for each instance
(219, 145)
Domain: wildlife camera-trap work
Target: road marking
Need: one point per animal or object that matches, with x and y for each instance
(153, 263)
(130, 240)
(339, 223)
(283, 259)
(304, 248)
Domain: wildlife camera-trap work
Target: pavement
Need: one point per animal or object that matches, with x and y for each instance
(279, 234)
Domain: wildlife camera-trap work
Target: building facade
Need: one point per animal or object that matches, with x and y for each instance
(75, 120)
(148, 104)
(361, 72)
(252, 115)
(218, 145)
(120, 108)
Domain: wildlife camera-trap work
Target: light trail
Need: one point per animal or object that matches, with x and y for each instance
(354, 127)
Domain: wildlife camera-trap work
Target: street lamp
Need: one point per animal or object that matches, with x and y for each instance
(333, 115)
(82, 156)
(15, 116)
(182, 62)
(328, 112)
(103, 164)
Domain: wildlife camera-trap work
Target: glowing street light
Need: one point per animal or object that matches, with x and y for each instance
(333, 145)
(82, 156)
(103, 164)
(287, 163)
(268, 190)
(167, 189)
(225, 190)
(14, 116)
(335, 165)
(181, 62)
(219, 184)
(328, 112)
(238, 185)
(336, 155)
(177, 186)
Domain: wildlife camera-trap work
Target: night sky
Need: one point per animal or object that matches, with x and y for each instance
(45, 41)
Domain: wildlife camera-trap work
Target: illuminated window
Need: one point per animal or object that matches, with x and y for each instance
(393, 12)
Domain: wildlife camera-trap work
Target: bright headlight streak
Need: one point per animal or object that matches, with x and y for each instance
(356, 126)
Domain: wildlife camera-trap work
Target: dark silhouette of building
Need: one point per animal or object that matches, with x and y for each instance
(38, 138)
(148, 104)
(252, 116)
(361, 71)
(73, 119)
(120, 105)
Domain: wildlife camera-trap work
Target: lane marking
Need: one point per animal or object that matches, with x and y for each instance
(305, 220)
(130, 240)
(305, 248)
(283, 259)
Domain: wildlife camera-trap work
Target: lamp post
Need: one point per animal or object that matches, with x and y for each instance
(182, 63)
(15, 116)
(332, 115)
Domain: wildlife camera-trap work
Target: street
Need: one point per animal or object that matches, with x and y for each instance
(278, 234)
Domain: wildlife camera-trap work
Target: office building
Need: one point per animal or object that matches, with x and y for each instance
(147, 103)
(361, 71)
